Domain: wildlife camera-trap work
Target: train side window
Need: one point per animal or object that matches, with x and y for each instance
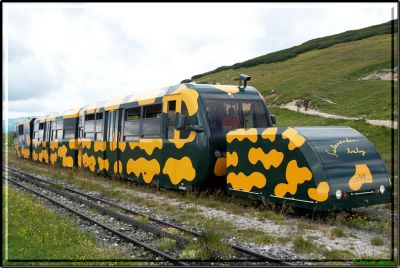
(69, 128)
(53, 130)
(40, 132)
(36, 130)
(59, 133)
(171, 119)
(132, 124)
(152, 121)
(80, 134)
(184, 134)
(99, 127)
(89, 126)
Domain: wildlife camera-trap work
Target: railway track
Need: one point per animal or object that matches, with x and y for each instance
(153, 225)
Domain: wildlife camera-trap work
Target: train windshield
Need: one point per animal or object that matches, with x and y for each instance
(226, 115)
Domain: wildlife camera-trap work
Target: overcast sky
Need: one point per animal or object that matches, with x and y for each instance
(59, 56)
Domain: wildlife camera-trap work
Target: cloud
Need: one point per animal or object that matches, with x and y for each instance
(68, 55)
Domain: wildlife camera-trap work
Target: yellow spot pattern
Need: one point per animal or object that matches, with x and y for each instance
(246, 183)
(25, 152)
(148, 145)
(62, 151)
(122, 145)
(89, 161)
(73, 144)
(43, 156)
(232, 159)
(361, 176)
(67, 161)
(144, 167)
(113, 145)
(272, 158)
(320, 193)
(35, 156)
(269, 133)
(179, 143)
(80, 158)
(118, 167)
(189, 97)
(103, 163)
(294, 175)
(53, 145)
(53, 158)
(99, 146)
(220, 167)
(179, 169)
(242, 134)
(295, 138)
(86, 143)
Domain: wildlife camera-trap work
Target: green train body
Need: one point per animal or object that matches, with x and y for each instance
(196, 135)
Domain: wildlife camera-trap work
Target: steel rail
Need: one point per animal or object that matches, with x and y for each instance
(259, 256)
(104, 210)
(106, 227)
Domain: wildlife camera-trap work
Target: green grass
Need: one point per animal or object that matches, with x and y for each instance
(35, 233)
(318, 43)
(337, 232)
(192, 251)
(141, 219)
(255, 235)
(303, 246)
(337, 254)
(377, 241)
(166, 244)
(331, 73)
(8, 140)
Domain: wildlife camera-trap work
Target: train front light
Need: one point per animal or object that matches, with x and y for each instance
(338, 193)
(381, 189)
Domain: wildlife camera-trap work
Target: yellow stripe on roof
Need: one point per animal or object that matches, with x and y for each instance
(72, 113)
(113, 104)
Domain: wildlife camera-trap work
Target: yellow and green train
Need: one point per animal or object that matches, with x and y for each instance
(200, 135)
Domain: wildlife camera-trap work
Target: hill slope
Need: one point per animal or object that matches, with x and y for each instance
(329, 77)
(318, 43)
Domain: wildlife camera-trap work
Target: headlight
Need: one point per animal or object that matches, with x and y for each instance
(338, 194)
(381, 189)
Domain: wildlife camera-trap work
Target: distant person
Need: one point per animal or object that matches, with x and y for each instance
(306, 102)
(298, 104)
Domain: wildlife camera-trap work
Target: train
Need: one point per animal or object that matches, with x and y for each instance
(192, 135)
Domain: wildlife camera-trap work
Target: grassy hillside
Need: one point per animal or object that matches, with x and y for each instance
(318, 43)
(331, 73)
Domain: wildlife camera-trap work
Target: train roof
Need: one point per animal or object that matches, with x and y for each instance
(149, 97)
(155, 96)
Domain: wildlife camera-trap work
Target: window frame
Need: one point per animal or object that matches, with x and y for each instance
(125, 116)
(141, 123)
(82, 133)
(159, 135)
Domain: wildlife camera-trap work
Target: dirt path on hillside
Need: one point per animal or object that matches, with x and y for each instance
(292, 106)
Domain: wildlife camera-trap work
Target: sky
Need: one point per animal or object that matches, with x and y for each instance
(62, 56)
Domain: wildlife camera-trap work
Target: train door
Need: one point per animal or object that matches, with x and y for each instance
(113, 137)
(179, 151)
(46, 140)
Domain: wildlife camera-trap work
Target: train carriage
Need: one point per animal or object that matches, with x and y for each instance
(22, 138)
(200, 135)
